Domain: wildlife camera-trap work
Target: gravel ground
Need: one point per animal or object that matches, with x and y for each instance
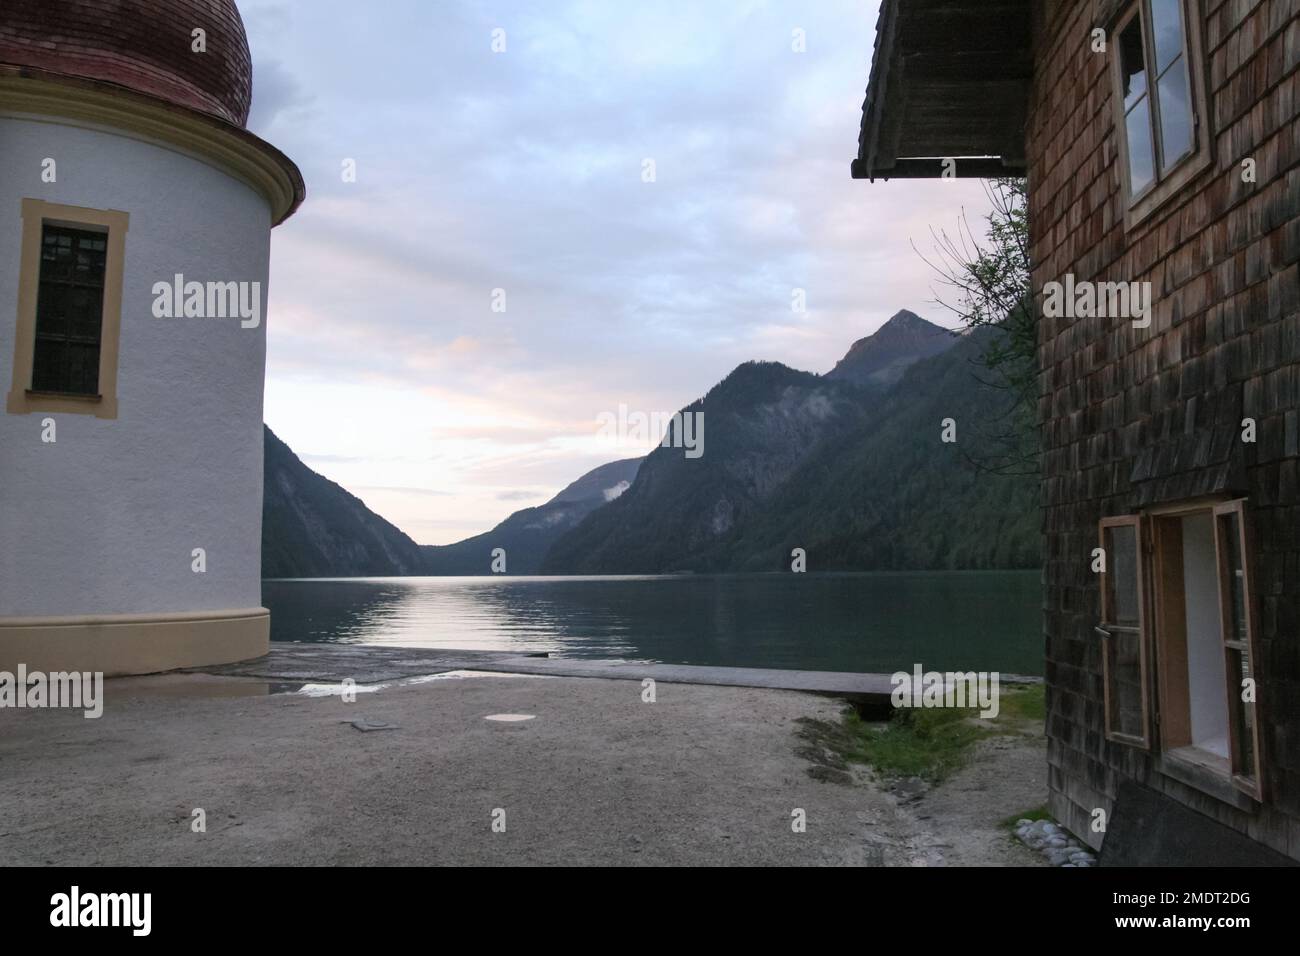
(703, 776)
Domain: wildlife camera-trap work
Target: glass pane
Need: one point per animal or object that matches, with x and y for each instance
(69, 311)
(1175, 114)
(52, 309)
(1167, 31)
(1132, 63)
(1124, 669)
(1141, 155)
(1244, 762)
(56, 256)
(49, 367)
(67, 367)
(87, 314)
(1122, 575)
(1230, 536)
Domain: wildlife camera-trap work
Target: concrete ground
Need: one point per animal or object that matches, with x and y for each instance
(704, 775)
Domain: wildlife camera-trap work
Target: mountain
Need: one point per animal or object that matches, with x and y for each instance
(855, 474)
(312, 527)
(527, 535)
(881, 359)
(761, 422)
(892, 495)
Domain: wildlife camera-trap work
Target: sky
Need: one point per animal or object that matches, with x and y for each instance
(614, 207)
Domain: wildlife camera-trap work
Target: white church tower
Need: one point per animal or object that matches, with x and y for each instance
(135, 219)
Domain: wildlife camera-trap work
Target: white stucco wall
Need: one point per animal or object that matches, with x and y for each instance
(104, 520)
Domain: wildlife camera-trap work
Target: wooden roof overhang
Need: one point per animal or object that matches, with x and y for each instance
(949, 80)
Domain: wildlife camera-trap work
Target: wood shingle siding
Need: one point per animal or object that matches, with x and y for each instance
(1136, 417)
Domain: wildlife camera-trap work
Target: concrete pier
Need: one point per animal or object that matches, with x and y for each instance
(369, 664)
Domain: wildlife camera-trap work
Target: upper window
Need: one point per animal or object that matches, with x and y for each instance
(69, 310)
(1158, 65)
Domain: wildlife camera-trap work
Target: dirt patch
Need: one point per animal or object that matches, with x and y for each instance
(705, 775)
(955, 813)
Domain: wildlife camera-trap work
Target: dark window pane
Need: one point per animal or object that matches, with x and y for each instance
(1132, 62)
(1124, 669)
(1122, 575)
(1141, 152)
(69, 311)
(52, 309)
(1175, 114)
(1239, 662)
(1167, 31)
(1230, 528)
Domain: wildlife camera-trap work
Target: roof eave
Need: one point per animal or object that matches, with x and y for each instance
(999, 62)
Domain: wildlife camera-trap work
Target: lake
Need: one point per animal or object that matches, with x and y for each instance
(957, 620)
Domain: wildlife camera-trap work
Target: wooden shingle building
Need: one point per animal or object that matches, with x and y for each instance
(1161, 144)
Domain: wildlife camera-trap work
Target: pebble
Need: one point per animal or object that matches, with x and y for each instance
(1054, 843)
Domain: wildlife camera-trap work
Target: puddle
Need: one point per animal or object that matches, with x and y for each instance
(337, 689)
(461, 675)
(510, 718)
(217, 686)
(196, 685)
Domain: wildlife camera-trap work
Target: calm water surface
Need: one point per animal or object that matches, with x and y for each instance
(968, 620)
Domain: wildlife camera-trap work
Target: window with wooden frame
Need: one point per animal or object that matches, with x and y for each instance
(1158, 70)
(1123, 632)
(69, 310)
(1177, 584)
(1240, 637)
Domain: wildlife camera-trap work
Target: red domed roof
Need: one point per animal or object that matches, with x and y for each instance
(143, 45)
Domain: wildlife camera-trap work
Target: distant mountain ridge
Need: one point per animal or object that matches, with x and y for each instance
(881, 359)
(527, 535)
(892, 495)
(847, 466)
(760, 421)
(312, 527)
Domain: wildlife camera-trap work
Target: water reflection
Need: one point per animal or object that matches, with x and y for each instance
(854, 622)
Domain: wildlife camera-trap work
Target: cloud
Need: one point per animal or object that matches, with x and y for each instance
(431, 492)
(275, 92)
(617, 490)
(518, 496)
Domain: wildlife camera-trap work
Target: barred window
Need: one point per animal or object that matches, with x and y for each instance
(69, 311)
(69, 316)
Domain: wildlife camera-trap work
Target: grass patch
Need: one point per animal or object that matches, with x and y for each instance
(1039, 813)
(925, 743)
(929, 742)
(1026, 702)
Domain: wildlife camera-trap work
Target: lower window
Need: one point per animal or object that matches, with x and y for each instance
(1177, 613)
